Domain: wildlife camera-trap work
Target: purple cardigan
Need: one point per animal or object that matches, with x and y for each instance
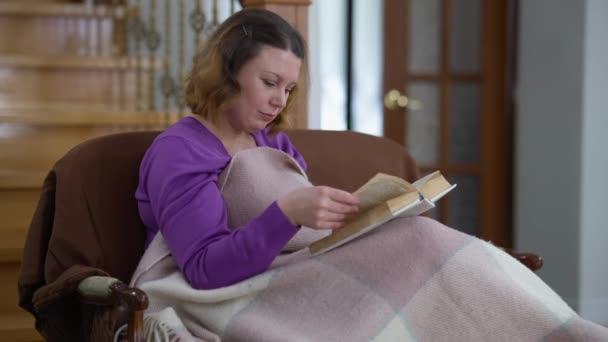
(178, 195)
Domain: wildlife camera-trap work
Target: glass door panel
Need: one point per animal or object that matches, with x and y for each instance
(464, 123)
(424, 35)
(423, 126)
(465, 36)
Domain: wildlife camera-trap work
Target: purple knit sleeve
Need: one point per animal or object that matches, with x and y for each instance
(190, 211)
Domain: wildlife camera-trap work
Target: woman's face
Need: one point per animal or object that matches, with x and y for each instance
(265, 82)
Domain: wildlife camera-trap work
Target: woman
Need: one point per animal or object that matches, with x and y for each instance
(223, 193)
(240, 89)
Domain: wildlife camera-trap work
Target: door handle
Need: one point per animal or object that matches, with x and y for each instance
(395, 100)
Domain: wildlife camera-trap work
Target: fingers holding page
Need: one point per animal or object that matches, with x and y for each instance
(343, 202)
(319, 207)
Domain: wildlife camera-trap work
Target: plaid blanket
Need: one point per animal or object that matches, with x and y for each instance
(413, 279)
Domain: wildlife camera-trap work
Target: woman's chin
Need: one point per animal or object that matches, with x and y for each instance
(262, 124)
(256, 128)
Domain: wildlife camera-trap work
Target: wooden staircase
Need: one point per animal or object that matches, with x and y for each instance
(62, 81)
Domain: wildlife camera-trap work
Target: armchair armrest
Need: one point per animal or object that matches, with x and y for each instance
(107, 291)
(533, 261)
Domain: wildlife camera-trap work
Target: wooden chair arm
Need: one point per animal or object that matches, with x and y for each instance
(530, 260)
(109, 291)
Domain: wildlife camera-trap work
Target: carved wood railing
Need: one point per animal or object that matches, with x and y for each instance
(168, 32)
(156, 32)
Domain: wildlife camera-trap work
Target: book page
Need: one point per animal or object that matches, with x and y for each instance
(365, 222)
(381, 188)
(406, 200)
(380, 198)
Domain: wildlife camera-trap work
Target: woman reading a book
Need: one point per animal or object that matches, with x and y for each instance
(240, 90)
(229, 215)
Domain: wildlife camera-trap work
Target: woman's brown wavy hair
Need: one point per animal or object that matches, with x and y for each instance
(212, 82)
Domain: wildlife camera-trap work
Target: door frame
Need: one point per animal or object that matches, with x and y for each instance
(498, 43)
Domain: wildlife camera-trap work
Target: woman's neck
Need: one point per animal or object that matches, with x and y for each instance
(233, 140)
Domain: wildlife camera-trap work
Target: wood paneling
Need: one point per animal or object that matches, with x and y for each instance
(55, 35)
(8, 288)
(28, 151)
(52, 97)
(16, 211)
(86, 81)
(70, 115)
(37, 148)
(58, 8)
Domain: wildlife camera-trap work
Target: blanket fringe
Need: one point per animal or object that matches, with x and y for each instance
(155, 330)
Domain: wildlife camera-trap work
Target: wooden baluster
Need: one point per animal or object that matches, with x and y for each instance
(179, 94)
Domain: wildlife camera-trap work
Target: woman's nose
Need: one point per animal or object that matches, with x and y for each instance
(279, 99)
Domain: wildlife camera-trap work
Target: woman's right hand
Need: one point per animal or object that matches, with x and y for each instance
(319, 207)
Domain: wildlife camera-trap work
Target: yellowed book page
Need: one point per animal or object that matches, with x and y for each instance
(379, 198)
(381, 188)
(360, 225)
(434, 185)
(400, 202)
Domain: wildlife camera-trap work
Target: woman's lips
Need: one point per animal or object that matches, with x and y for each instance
(268, 117)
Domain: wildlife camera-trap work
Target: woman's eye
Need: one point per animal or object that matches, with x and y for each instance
(269, 83)
(288, 91)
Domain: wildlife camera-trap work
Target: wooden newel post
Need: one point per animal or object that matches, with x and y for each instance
(296, 13)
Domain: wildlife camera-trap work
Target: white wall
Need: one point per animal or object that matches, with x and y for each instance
(594, 210)
(560, 125)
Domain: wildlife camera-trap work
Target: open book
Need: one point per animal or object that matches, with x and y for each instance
(383, 198)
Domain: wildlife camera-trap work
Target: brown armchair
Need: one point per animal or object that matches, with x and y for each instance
(86, 237)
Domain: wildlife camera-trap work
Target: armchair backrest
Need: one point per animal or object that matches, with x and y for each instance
(87, 214)
(346, 160)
